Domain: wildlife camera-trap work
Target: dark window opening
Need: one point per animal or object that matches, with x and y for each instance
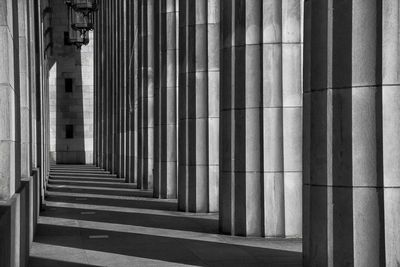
(69, 131)
(68, 85)
(66, 38)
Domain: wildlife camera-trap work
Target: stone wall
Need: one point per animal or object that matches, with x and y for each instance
(74, 108)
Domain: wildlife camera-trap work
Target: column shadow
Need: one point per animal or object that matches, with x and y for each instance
(169, 249)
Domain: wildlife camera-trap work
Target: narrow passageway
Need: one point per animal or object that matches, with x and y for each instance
(93, 218)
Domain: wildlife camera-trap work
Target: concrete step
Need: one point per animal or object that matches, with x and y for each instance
(111, 200)
(97, 183)
(87, 179)
(94, 172)
(80, 174)
(99, 190)
(75, 167)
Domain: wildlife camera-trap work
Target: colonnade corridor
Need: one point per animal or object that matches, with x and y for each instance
(200, 132)
(93, 218)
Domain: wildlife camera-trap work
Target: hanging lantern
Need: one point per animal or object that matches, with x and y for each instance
(84, 6)
(80, 22)
(76, 37)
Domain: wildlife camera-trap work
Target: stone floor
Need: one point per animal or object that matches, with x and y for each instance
(94, 219)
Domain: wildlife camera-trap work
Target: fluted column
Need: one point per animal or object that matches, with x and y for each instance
(118, 87)
(102, 60)
(165, 148)
(129, 109)
(7, 100)
(24, 89)
(198, 105)
(128, 37)
(135, 67)
(351, 133)
(122, 88)
(261, 109)
(33, 84)
(158, 42)
(115, 86)
(146, 120)
(98, 85)
(108, 88)
(140, 71)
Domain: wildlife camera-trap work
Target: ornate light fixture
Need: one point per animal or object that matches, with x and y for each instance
(80, 22)
(76, 37)
(84, 6)
(80, 19)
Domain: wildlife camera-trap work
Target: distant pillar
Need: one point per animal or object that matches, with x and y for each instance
(135, 74)
(165, 168)
(99, 86)
(32, 74)
(115, 86)
(146, 127)
(122, 87)
(24, 89)
(261, 109)
(351, 133)
(129, 93)
(198, 105)
(109, 87)
(119, 88)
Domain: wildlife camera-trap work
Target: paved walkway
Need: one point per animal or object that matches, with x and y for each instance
(95, 219)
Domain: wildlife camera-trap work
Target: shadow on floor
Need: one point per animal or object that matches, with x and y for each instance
(167, 249)
(150, 233)
(129, 203)
(99, 190)
(201, 225)
(41, 262)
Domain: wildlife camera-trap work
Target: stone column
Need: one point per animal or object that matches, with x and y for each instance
(165, 180)
(7, 100)
(351, 133)
(159, 34)
(95, 92)
(102, 27)
(121, 89)
(261, 109)
(103, 85)
(149, 100)
(32, 69)
(109, 88)
(134, 73)
(139, 89)
(97, 77)
(198, 105)
(146, 128)
(98, 91)
(106, 86)
(127, 83)
(24, 89)
(115, 86)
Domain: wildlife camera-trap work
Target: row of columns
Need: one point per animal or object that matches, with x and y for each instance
(158, 85)
(24, 127)
(217, 88)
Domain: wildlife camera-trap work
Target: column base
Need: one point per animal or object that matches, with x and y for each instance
(10, 231)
